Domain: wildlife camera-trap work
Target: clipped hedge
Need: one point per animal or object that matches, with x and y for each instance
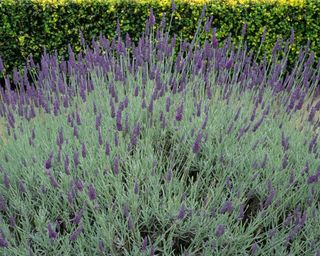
(26, 27)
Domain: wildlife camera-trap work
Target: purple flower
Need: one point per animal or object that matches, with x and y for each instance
(130, 223)
(136, 91)
(271, 194)
(312, 179)
(144, 244)
(78, 185)
(100, 142)
(126, 210)
(152, 19)
(1, 65)
(66, 165)
(292, 178)
(136, 188)
(75, 132)
(254, 248)
(196, 146)
(116, 165)
(181, 212)
(173, 6)
(3, 204)
(311, 114)
(98, 121)
(76, 158)
(101, 246)
(48, 162)
(92, 192)
(6, 181)
(219, 230)
(53, 181)
(76, 233)
(95, 108)
(78, 118)
(179, 113)
(313, 143)
(51, 233)
(168, 104)
(77, 217)
(118, 120)
(107, 149)
(135, 134)
(284, 142)
(169, 175)
(84, 151)
(285, 161)
(3, 241)
(241, 212)
(227, 207)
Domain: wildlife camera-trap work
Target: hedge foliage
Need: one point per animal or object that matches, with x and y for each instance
(27, 26)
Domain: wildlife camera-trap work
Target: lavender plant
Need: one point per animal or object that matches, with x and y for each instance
(140, 149)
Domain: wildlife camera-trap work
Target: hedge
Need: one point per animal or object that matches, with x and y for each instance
(27, 27)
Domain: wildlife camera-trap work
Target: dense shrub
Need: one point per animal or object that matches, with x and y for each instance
(29, 26)
(208, 153)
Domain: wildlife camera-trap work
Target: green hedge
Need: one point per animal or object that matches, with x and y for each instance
(27, 27)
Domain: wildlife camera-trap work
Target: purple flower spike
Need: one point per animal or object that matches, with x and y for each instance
(92, 192)
(197, 144)
(220, 230)
(241, 212)
(77, 217)
(169, 175)
(3, 204)
(3, 241)
(136, 188)
(78, 185)
(66, 165)
(116, 166)
(118, 120)
(107, 149)
(76, 159)
(126, 210)
(254, 248)
(284, 142)
(98, 121)
(144, 244)
(136, 91)
(48, 162)
(312, 179)
(152, 19)
(168, 104)
(227, 207)
(6, 181)
(101, 246)
(51, 233)
(100, 141)
(84, 150)
(76, 233)
(130, 223)
(179, 113)
(181, 213)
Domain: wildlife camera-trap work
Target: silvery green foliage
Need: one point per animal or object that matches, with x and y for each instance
(197, 152)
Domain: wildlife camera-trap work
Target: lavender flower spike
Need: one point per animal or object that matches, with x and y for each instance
(76, 233)
(196, 146)
(92, 192)
(220, 230)
(51, 233)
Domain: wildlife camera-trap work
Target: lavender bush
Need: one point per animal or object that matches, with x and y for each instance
(141, 150)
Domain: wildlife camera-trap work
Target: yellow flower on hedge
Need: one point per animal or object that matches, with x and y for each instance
(168, 2)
